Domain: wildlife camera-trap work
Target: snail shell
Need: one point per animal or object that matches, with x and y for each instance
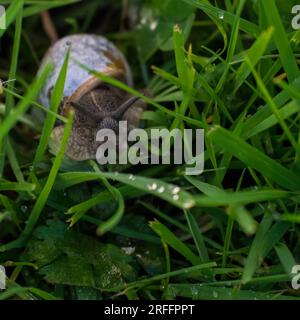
(87, 92)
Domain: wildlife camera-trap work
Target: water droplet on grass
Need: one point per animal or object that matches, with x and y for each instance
(153, 25)
(194, 291)
(221, 15)
(161, 189)
(215, 294)
(24, 208)
(176, 190)
(188, 204)
(172, 292)
(152, 186)
(176, 197)
(128, 250)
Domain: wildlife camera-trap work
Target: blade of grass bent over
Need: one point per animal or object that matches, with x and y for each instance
(55, 101)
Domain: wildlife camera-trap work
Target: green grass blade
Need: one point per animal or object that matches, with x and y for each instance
(16, 186)
(56, 98)
(42, 199)
(240, 197)
(185, 271)
(254, 54)
(197, 236)
(207, 189)
(255, 159)
(201, 292)
(164, 216)
(23, 105)
(273, 106)
(256, 248)
(227, 17)
(9, 102)
(243, 218)
(172, 240)
(285, 256)
(11, 14)
(41, 6)
(282, 42)
(156, 187)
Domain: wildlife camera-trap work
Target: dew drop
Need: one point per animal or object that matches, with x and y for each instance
(215, 294)
(161, 189)
(194, 291)
(131, 177)
(172, 292)
(188, 204)
(143, 20)
(152, 186)
(153, 25)
(221, 15)
(128, 250)
(176, 190)
(176, 197)
(24, 208)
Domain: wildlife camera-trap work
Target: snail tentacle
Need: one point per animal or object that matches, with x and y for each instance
(117, 114)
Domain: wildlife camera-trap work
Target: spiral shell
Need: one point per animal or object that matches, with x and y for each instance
(95, 52)
(87, 91)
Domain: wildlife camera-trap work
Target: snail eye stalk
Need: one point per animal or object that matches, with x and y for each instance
(96, 118)
(124, 107)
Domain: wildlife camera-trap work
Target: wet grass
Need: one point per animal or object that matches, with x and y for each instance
(72, 230)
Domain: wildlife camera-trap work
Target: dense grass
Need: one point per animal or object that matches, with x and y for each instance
(79, 231)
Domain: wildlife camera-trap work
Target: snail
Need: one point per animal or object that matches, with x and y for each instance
(96, 105)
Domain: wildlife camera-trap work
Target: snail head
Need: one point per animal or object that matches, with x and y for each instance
(100, 108)
(102, 116)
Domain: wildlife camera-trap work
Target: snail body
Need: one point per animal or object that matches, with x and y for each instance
(96, 105)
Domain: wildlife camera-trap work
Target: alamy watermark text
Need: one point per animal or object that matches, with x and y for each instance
(296, 18)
